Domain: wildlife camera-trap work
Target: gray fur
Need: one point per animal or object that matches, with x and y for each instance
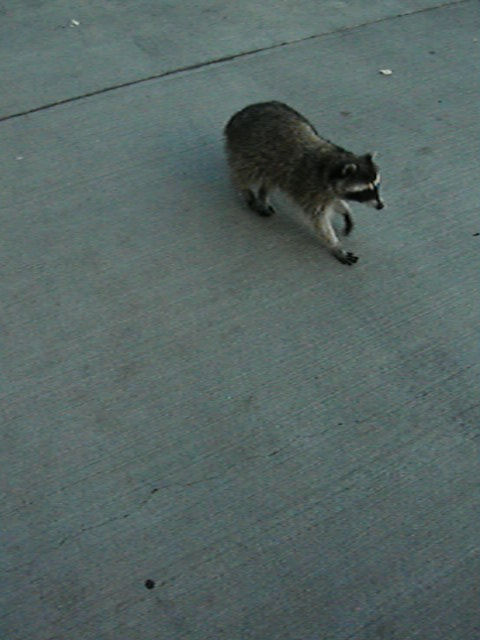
(270, 145)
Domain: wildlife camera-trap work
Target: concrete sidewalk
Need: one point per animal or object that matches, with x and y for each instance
(192, 395)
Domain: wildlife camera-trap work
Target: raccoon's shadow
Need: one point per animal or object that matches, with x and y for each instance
(209, 177)
(289, 225)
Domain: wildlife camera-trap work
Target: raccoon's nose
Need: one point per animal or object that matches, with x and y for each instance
(379, 204)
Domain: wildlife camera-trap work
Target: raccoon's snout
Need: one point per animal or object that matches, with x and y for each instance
(369, 196)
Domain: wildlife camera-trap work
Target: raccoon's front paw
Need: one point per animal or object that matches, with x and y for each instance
(345, 257)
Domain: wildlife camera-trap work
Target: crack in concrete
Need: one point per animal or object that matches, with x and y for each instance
(83, 529)
(181, 485)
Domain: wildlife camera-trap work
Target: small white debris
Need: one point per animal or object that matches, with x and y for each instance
(19, 158)
(386, 72)
(74, 23)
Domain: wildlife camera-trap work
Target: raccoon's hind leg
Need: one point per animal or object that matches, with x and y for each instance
(258, 203)
(249, 198)
(343, 209)
(263, 207)
(244, 181)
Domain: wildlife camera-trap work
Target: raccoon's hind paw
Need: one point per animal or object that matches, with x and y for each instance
(344, 257)
(262, 208)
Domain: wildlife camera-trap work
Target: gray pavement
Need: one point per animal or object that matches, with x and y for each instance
(202, 398)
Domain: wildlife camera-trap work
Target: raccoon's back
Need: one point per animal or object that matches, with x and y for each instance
(269, 125)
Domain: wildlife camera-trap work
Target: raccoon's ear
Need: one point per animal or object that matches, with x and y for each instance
(371, 156)
(349, 169)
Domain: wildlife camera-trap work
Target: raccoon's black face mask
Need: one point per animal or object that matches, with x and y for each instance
(369, 195)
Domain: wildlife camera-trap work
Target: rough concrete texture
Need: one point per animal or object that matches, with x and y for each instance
(286, 446)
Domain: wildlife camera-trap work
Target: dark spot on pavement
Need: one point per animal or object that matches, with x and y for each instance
(149, 584)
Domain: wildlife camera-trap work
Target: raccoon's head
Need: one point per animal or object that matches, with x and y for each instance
(357, 178)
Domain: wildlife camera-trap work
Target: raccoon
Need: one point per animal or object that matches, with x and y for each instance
(270, 145)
